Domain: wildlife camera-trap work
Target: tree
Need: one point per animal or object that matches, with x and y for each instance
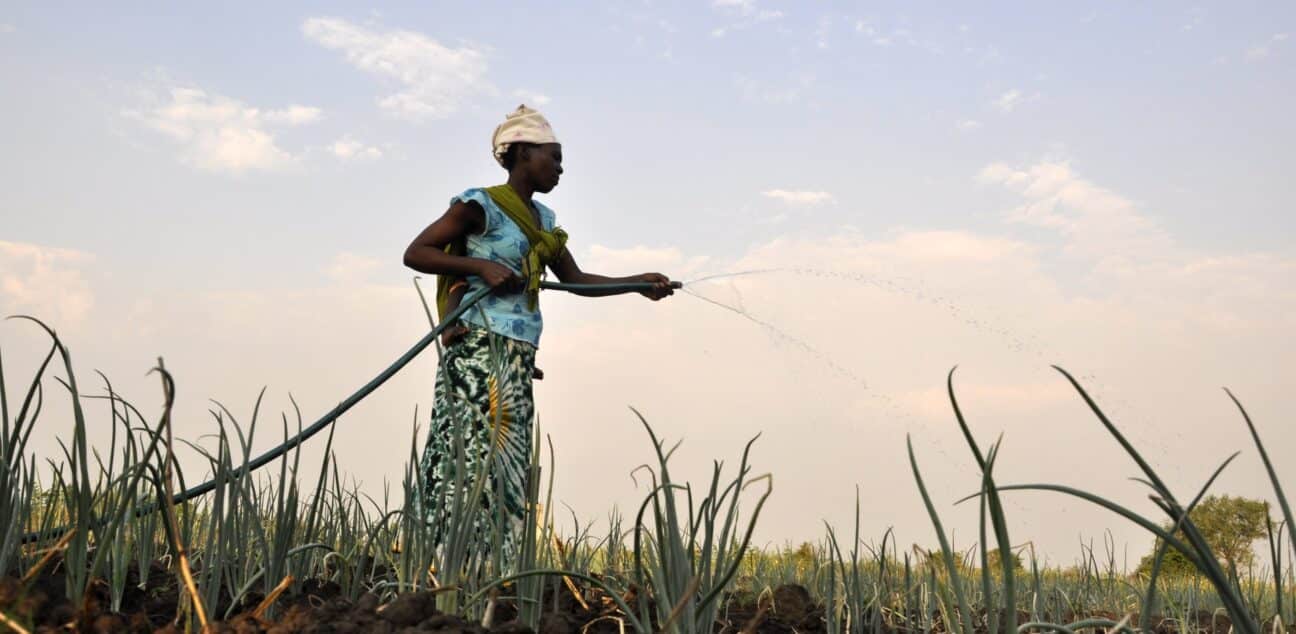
(996, 566)
(804, 555)
(1230, 525)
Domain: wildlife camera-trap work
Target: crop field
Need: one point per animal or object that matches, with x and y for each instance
(104, 540)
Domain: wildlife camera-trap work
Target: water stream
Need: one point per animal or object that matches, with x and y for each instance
(1142, 431)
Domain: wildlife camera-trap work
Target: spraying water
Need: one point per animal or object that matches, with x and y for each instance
(1015, 340)
(894, 409)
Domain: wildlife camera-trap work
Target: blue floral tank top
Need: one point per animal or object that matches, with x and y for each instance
(502, 241)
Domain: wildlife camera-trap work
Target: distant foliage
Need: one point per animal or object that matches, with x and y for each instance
(1231, 525)
(995, 561)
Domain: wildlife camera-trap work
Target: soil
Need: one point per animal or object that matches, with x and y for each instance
(316, 606)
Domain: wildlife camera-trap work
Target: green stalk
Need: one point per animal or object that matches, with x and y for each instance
(946, 554)
(996, 512)
(1273, 475)
(1208, 564)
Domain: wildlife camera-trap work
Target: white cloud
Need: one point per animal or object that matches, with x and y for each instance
(221, 134)
(1058, 197)
(800, 198)
(295, 115)
(1262, 51)
(651, 33)
(349, 149)
(1095, 220)
(749, 14)
(902, 34)
(1009, 100)
(968, 125)
(7, 28)
(1131, 260)
(748, 8)
(435, 79)
(531, 97)
(873, 33)
(821, 33)
(1013, 99)
(46, 282)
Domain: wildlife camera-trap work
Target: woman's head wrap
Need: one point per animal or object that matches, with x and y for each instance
(523, 125)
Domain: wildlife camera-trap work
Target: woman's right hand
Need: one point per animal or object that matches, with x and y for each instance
(497, 276)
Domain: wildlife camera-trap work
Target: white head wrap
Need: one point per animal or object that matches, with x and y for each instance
(523, 125)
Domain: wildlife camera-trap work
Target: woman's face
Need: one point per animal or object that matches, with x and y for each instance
(543, 166)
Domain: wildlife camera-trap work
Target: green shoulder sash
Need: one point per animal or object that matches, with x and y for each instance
(545, 249)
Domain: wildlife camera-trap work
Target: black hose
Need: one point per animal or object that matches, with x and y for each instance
(350, 401)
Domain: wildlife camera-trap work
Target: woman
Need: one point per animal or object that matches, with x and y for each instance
(501, 238)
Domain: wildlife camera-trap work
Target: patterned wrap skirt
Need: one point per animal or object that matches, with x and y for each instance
(483, 397)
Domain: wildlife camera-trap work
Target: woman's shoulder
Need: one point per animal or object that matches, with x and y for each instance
(473, 194)
(491, 215)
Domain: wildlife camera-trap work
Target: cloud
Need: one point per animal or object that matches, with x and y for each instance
(435, 79)
(878, 36)
(47, 282)
(1261, 52)
(748, 8)
(799, 198)
(1130, 261)
(221, 134)
(294, 115)
(1009, 101)
(873, 33)
(1133, 271)
(1094, 219)
(821, 33)
(533, 98)
(1123, 246)
(650, 33)
(349, 149)
(968, 125)
(749, 14)
(6, 28)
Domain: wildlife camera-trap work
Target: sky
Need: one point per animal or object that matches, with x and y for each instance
(1000, 187)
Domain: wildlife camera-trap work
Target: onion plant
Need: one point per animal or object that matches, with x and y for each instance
(674, 565)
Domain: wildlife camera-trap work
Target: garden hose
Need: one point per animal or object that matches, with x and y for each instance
(324, 421)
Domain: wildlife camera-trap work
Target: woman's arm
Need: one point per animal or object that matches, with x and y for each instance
(426, 254)
(569, 272)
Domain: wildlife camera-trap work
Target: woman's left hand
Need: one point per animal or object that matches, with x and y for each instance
(661, 286)
(452, 334)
